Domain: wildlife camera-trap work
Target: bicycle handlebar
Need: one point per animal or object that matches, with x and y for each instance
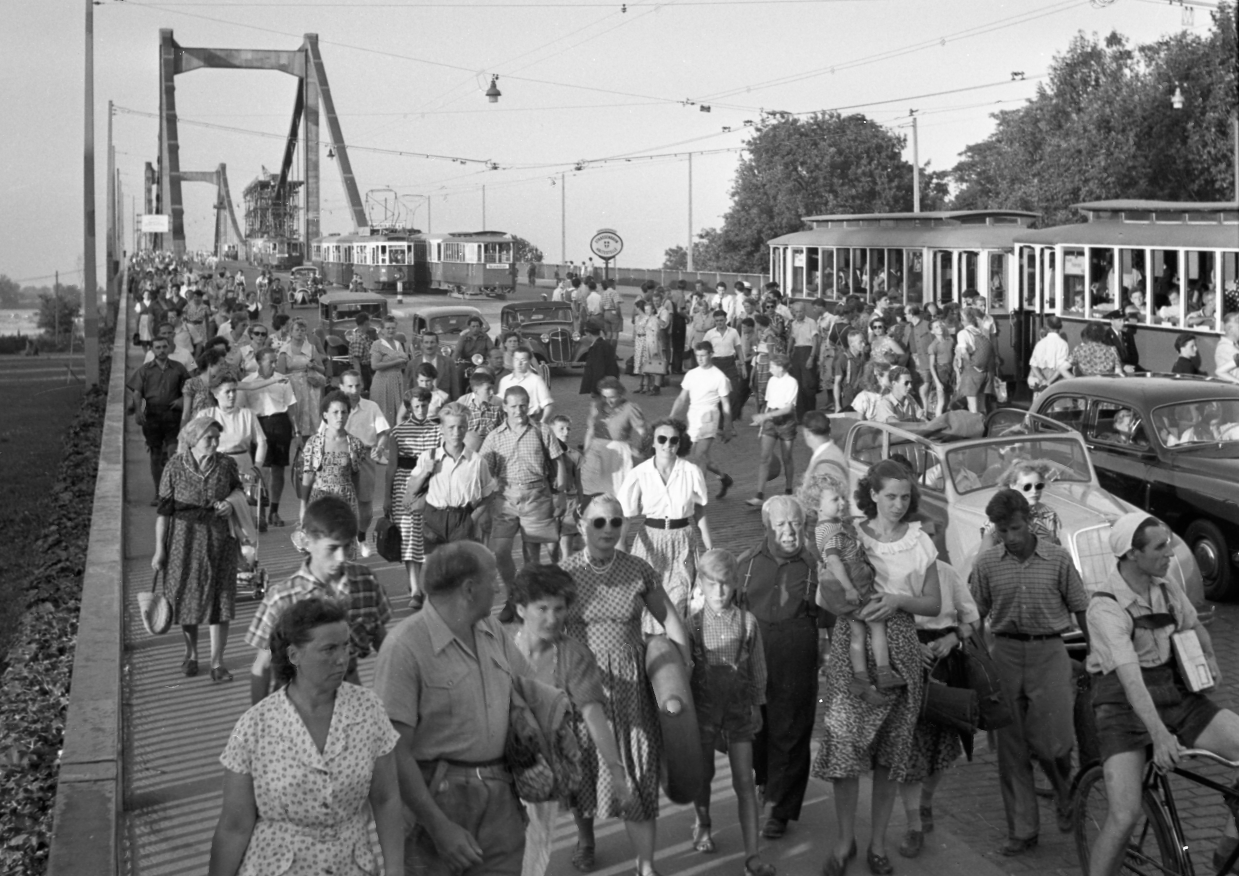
(1200, 752)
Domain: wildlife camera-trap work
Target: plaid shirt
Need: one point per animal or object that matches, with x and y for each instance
(483, 416)
(518, 458)
(1035, 597)
(359, 592)
(721, 641)
(359, 342)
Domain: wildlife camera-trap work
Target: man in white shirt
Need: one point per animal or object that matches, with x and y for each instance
(724, 341)
(826, 456)
(1225, 362)
(179, 354)
(1049, 355)
(704, 391)
(803, 342)
(459, 479)
(367, 424)
(540, 400)
(778, 424)
(270, 396)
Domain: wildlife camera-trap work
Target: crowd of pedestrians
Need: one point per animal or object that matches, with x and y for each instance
(315, 759)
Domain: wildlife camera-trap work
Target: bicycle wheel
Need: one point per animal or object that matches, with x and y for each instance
(1151, 850)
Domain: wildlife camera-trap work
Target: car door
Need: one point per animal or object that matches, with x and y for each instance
(1066, 408)
(1120, 453)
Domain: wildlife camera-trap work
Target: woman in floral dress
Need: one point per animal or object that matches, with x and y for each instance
(640, 347)
(301, 361)
(612, 590)
(414, 436)
(331, 459)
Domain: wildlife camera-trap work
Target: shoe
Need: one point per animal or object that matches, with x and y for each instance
(658, 390)
(1013, 847)
(220, 673)
(888, 679)
(775, 828)
(1225, 847)
(275, 519)
(879, 865)
(860, 688)
(755, 502)
(262, 526)
(726, 481)
(702, 841)
(417, 601)
(189, 667)
(1066, 820)
(760, 868)
(363, 549)
(583, 858)
(927, 819)
(913, 842)
(834, 866)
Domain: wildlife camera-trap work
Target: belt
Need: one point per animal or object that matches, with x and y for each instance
(1029, 637)
(467, 508)
(667, 523)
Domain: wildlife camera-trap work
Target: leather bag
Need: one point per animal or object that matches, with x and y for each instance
(387, 540)
(155, 609)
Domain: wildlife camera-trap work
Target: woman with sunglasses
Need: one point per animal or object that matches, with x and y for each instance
(613, 588)
(882, 347)
(1029, 478)
(670, 492)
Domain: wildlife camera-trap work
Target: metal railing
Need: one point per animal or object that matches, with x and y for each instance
(625, 276)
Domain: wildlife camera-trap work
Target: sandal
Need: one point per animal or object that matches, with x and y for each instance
(220, 673)
(702, 841)
(761, 868)
(583, 857)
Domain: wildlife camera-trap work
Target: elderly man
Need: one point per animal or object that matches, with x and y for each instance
(1226, 354)
(367, 424)
(445, 676)
(803, 344)
(780, 589)
(528, 468)
(457, 482)
(154, 392)
(1029, 589)
(1139, 696)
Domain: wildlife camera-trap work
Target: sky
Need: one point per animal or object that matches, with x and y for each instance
(615, 90)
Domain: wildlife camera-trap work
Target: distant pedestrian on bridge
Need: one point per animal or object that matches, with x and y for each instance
(155, 392)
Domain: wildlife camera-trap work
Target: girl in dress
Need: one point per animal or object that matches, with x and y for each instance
(542, 595)
(640, 346)
(332, 457)
(729, 688)
(414, 435)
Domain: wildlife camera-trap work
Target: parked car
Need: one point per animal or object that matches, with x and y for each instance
(449, 322)
(1169, 445)
(547, 328)
(958, 477)
(306, 285)
(336, 314)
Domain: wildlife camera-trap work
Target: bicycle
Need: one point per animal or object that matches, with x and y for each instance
(1157, 844)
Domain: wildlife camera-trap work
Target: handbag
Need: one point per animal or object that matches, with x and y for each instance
(416, 503)
(983, 679)
(654, 364)
(387, 540)
(955, 708)
(155, 609)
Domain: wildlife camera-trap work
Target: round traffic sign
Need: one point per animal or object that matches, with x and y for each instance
(606, 244)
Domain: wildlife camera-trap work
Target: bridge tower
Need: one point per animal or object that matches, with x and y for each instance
(224, 214)
(313, 96)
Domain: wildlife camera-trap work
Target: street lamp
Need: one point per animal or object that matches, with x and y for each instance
(493, 93)
(1177, 100)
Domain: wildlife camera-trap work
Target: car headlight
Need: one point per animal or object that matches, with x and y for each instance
(546, 339)
(446, 350)
(576, 336)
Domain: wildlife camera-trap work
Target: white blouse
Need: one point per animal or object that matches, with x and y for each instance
(643, 491)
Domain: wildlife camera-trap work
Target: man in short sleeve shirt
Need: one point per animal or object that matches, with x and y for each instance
(705, 390)
(154, 392)
(803, 343)
(1029, 589)
(1139, 695)
(445, 676)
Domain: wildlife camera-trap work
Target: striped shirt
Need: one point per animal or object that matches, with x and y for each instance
(1034, 597)
(358, 591)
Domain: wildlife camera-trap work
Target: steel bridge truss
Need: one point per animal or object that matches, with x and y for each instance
(313, 95)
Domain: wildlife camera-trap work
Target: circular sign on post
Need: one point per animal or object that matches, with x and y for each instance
(606, 244)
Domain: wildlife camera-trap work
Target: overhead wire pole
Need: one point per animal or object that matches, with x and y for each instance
(916, 168)
(690, 211)
(111, 251)
(563, 219)
(90, 305)
(483, 207)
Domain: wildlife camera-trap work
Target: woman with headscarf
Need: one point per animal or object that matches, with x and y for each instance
(194, 541)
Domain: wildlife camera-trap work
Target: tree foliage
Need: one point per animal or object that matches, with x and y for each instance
(707, 253)
(1103, 126)
(823, 163)
(58, 309)
(10, 292)
(524, 251)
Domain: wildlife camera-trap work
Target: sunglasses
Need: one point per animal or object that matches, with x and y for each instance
(877, 327)
(1028, 488)
(601, 522)
(258, 334)
(673, 440)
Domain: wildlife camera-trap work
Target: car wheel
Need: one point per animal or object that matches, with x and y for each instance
(1208, 546)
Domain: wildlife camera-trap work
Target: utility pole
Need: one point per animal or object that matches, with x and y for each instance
(690, 211)
(563, 219)
(916, 168)
(110, 244)
(90, 323)
(483, 207)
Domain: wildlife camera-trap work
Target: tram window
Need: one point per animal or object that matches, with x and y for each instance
(944, 276)
(1075, 293)
(798, 269)
(1229, 263)
(812, 271)
(1201, 279)
(877, 271)
(894, 273)
(828, 273)
(968, 271)
(843, 270)
(916, 276)
(381, 255)
(397, 255)
(776, 265)
(996, 270)
(1049, 289)
(1103, 281)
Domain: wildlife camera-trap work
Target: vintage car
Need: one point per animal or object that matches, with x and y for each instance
(337, 312)
(305, 286)
(1168, 444)
(449, 322)
(957, 478)
(547, 328)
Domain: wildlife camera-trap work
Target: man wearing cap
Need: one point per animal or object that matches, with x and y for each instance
(1122, 337)
(1029, 589)
(1139, 695)
(678, 296)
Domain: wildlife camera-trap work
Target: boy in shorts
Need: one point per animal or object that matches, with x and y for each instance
(329, 531)
(778, 424)
(705, 391)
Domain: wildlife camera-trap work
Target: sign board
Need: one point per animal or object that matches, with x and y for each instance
(606, 244)
(154, 223)
(497, 266)
(1074, 264)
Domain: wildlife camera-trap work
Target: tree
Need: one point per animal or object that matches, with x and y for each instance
(1103, 127)
(796, 167)
(524, 251)
(10, 292)
(58, 309)
(707, 253)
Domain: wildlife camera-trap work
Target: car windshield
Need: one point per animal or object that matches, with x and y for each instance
(352, 308)
(977, 466)
(1197, 422)
(549, 313)
(450, 324)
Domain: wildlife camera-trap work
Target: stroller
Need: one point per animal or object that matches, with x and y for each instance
(252, 577)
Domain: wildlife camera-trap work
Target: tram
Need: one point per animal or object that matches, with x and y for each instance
(333, 256)
(472, 265)
(276, 253)
(914, 258)
(1171, 265)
